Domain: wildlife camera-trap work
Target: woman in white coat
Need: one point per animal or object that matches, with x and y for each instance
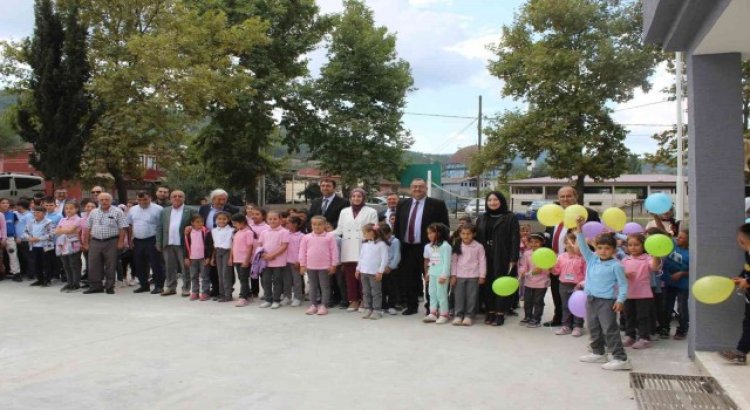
(349, 228)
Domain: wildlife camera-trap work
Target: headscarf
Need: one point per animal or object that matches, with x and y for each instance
(357, 208)
(503, 209)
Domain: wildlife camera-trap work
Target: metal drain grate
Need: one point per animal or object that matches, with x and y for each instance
(666, 391)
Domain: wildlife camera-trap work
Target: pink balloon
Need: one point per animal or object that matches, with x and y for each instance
(632, 228)
(592, 229)
(577, 304)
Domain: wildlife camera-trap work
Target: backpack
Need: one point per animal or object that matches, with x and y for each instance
(258, 263)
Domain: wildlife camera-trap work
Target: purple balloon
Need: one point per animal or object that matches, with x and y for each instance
(577, 304)
(632, 228)
(592, 229)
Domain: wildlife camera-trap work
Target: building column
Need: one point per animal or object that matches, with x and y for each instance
(716, 185)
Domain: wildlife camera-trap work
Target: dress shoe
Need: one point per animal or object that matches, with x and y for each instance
(552, 323)
(91, 290)
(142, 290)
(409, 311)
(17, 277)
(37, 283)
(156, 291)
(110, 291)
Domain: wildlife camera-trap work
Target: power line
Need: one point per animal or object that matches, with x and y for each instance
(642, 105)
(455, 135)
(422, 114)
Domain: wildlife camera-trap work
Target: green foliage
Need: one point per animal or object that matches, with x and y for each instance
(235, 145)
(53, 112)
(9, 139)
(567, 59)
(361, 97)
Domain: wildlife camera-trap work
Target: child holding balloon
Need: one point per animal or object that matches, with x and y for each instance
(571, 268)
(676, 284)
(607, 288)
(536, 281)
(739, 356)
(638, 266)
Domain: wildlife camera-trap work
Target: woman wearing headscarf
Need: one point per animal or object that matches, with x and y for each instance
(498, 230)
(349, 228)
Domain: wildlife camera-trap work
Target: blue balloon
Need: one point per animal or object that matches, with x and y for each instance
(659, 203)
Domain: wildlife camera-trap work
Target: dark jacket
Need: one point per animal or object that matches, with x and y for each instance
(501, 237)
(593, 217)
(332, 212)
(206, 209)
(434, 211)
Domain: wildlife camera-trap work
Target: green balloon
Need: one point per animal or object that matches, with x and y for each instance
(659, 245)
(505, 286)
(544, 258)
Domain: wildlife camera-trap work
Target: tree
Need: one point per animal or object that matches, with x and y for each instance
(568, 59)
(53, 113)
(9, 139)
(361, 96)
(235, 144)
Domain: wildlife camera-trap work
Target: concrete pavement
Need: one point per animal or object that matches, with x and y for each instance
(128, 351)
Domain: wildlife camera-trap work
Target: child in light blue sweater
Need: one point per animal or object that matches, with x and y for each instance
(606, 287)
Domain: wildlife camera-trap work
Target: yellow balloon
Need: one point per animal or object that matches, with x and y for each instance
(550, 215)
(713, 289)
(572, 213)
(615, 219)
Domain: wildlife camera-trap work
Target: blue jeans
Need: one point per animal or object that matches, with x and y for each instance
(681, 296)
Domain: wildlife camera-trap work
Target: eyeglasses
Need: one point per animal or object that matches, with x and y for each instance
(96, 192)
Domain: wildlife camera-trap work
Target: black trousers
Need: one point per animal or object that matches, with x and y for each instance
(744, 343)
(638, 318)
(24, 255)
(554, 287)
(533, 303)
(411, 271)
(390, 289)
(145, 257)
(41, 263)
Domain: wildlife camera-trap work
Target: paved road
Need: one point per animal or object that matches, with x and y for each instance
(127, 351)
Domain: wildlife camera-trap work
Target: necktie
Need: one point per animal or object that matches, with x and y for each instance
(412, 222)
(325, 205)
(556, 238)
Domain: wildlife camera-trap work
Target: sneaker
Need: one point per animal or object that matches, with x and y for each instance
(664, 334)
(457, 321)
(362, 310)
(296, 302)
(204, 297)
(353, 307)
(322, 311)
(593, 358)
(64, 288)
(431, 318)
(36, 283)
(524, 321)
(679, 336)
(185, 293)
(642, 344)
(552, 323)
(74, 288)
(275, 305)
(193, 296)
(392, 312)
(734, 356)
(242, 302)
(533, 324)
(376, 315)
(467, 321)
(628, 342)
(265, 305)
(563, 331)
(367, 314)
(311, 310)
(285, 301)
(577, 332)
(615, 364)
(442, 320)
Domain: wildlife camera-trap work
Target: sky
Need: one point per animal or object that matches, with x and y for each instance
(445, 43)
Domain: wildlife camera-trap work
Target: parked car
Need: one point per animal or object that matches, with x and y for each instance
(471, 209)
(534, 207)
(379, 203)
(15, 186)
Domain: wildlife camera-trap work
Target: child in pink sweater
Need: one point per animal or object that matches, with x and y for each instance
(639, 304)
(571, 268)
(293, 280)
(319, 256)
(536, 281)
(274, 242)
(468, 271)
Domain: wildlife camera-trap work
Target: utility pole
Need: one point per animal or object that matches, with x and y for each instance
(680, 202)
(479, 150)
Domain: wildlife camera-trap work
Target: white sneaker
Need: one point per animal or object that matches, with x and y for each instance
(430, 318)
(593, 358)
(296, 302)
(458, 321)
(362, 310)
(367, 314)
(286, 301)
(265, 305)
(392, 311)
(442, 320)
(376, 315)
(275, 305)
(615, 364)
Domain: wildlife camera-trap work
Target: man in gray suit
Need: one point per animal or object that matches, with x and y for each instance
(171, 241)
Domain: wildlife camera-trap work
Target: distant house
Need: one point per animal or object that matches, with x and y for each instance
(455, 175)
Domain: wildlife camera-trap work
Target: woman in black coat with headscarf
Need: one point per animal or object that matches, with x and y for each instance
(498, 230)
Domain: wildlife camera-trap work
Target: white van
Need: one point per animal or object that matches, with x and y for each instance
(16, 186)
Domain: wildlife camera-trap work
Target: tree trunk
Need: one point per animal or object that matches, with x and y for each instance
(251, 190)
(580, 181)
(121, 188)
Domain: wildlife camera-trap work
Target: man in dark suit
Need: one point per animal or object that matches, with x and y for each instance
(330, 207)
(413, 216)
(218, 202)
(391, 204)
(566, 196)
